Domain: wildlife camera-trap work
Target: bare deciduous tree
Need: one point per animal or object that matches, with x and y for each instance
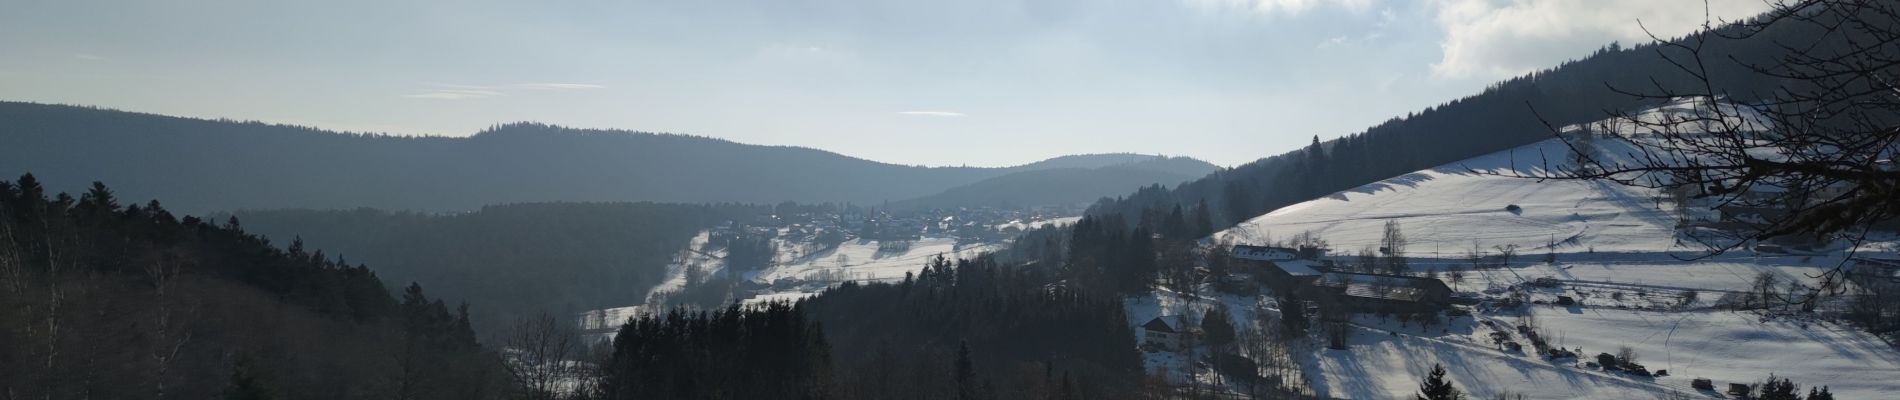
(541, 353)
(1818, 149)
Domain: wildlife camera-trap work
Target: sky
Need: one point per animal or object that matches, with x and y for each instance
(966, 82)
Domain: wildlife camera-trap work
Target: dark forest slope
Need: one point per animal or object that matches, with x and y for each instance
(1508, 114)
(200, 165)
(99, 300)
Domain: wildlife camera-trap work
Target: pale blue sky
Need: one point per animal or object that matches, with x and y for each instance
(976, 82)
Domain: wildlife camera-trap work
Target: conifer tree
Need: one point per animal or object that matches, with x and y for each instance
(245, 382)
(1436, 387)
(1218, 329)
(966, 373)
(1783, 389)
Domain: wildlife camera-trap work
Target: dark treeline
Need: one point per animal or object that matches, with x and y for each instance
(972, 330)
(202, 166)
(99, 300)
(769, 352)
(1501, 117)
(1105, 254)
(517, 259)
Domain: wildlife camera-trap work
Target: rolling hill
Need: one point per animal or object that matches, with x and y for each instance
(200, 165)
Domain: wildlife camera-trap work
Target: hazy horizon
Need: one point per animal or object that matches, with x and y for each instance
(991, 83)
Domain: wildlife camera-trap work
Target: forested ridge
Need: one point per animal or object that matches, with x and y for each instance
(100, 300)
(1508, 114)
(518, 259)
(201, 166)
(964, 329)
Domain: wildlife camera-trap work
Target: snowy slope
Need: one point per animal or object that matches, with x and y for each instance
(1384, 360)
(1446, 209)
(1616, 251)
(856, 260)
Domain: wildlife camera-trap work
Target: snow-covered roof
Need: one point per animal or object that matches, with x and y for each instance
(1396, 292)
(1297, 267)
(1349, 280)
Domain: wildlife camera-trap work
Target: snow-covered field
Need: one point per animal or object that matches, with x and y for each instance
(861, 260)
(1616, 250)
(797, 270)
(1384, 360)
(1445, 210)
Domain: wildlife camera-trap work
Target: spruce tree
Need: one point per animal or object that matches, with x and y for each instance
(966, 373)
(1820, 395)
(1436, 387)
(1779, 389)
(1218, 329)
(245, 382)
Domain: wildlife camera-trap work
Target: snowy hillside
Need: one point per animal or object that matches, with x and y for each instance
(796, 274)
(1616, 253)
(1488, 201)
(797, 271)
(1446, 209)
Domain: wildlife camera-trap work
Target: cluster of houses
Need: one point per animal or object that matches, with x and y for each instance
(799, 224)
(1304, 273)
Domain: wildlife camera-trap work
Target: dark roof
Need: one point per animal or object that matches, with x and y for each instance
(1158, 325)
(1342, 278)
(1263, 253)
(1400, 293)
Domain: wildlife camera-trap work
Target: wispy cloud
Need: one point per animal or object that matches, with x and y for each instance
(454, 94)
(932, 113)
(89, 57)
(559, 86)
(1490, 40)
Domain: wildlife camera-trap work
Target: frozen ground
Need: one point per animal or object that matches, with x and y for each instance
(1384, 360)
(1616, 250)
(1445, 210)
(798, 271)
(861, 260)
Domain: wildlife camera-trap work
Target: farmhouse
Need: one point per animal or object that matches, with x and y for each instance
(1159, 333)
(1286, 270)
(1263, 253)
(1281, 269)
(1377, 292)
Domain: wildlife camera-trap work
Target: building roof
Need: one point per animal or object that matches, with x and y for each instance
(1370, 291)
(1262, 253)
(1298, 267)
(1158, 325)
(1349, 280)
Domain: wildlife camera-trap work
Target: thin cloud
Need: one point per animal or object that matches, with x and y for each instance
(559, 86)
(1489, 40)
(88, 57)
(951, 114)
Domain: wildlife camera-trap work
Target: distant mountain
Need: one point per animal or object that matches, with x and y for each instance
(1069, 185)
(200, 165)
